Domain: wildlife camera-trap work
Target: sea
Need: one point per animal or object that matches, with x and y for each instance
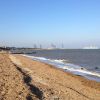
(82, 62)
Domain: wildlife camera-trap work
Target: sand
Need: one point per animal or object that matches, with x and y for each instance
(12, 82)
(24, 79)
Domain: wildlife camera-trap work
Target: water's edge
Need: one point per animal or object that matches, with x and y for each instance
(68, 67)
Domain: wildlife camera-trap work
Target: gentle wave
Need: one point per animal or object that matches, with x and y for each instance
(75, 69)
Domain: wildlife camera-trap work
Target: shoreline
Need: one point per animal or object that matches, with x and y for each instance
(85, 80)
(68, 67)
(54, 77)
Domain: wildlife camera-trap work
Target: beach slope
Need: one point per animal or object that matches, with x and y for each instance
(55, 83)
(21, 78)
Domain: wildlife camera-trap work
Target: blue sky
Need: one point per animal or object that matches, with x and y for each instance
(75, 23)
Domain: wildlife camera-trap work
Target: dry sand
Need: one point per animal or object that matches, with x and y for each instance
(24, 79)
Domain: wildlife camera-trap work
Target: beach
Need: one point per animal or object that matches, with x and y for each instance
(22, 78)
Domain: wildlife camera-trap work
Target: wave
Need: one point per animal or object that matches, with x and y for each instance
(68, 67)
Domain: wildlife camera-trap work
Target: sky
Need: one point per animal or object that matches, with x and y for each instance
(75, 23)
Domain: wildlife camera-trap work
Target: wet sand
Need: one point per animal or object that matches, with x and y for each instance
(24, 79)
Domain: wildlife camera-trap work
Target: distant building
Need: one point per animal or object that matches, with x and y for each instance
(40, 46)
(62, 45)
(35, 46)
(5, 48)
(91, 47)
(53, 46)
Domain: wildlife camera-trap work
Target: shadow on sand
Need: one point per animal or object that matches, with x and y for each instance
(34, 90)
